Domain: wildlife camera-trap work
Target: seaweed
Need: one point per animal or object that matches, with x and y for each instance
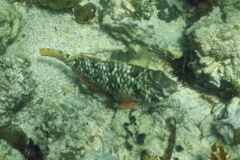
(171, 122)
(145, 156)
(218, 152)
(84, 13)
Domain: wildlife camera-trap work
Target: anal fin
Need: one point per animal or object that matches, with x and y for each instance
(126, 101)
(129, 104)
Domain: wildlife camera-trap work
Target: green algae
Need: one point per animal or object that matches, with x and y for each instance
(84, 13)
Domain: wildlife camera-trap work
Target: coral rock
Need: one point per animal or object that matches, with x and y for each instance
(216, 46)
(16, 85)
(10, 22)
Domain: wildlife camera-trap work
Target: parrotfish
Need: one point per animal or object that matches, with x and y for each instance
(128, 84)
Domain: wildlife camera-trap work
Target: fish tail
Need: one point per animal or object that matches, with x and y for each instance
(54, 53)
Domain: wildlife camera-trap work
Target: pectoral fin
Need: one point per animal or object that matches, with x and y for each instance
(126, 100)
(129, 104)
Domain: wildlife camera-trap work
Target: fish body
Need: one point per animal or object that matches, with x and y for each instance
(129, 84)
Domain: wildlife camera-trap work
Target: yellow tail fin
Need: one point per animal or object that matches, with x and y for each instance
(54, 53)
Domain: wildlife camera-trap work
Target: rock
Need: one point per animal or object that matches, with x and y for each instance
(217, 49)
(218, 152)
(228, 124)
(10, 22)
(70, 119)
(16, 84)
(137, 22)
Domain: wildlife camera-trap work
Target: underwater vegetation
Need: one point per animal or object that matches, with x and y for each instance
(128, 84)
(16, 138)
(84, 13)
(171, 123)
(145, 156)
(218, 152)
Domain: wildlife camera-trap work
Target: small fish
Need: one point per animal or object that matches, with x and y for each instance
(129, 84)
